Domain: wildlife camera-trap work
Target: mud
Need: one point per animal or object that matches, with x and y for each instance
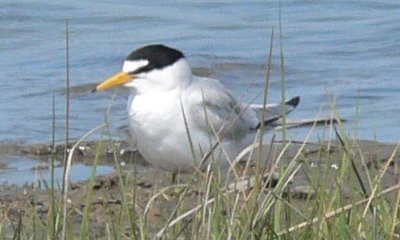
(18, 202)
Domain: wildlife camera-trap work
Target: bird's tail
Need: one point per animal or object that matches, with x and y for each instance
(273, 112)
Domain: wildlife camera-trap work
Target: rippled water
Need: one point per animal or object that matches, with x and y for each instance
(348, 51)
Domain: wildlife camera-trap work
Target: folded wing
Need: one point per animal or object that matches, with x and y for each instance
(271, 114)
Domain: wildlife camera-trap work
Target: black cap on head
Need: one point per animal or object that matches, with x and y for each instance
(159, 56)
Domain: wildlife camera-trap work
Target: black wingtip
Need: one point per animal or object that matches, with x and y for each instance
(294, 101)
(93, 91)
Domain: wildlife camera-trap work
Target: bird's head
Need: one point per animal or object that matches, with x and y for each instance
(151, 68)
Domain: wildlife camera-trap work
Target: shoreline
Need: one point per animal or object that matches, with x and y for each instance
(17, 201)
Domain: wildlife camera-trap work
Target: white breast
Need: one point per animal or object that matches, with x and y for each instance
(159, 128)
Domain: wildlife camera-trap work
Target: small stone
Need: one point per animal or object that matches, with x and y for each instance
(41, 209)
(303, 192)
(335, 166)
(109, 151)
(82, 150)
(144, 185)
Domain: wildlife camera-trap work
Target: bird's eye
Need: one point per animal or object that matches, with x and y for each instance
(143, 69)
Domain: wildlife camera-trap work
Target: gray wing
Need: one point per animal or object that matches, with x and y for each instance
(273, 112)
(215, 110)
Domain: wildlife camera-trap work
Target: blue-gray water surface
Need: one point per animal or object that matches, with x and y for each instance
(342, 52)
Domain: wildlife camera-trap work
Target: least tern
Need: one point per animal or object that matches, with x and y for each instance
(177, 118)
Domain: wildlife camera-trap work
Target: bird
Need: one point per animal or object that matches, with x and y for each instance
(181, 121)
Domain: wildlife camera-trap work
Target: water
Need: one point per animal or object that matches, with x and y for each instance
(21, 170)
(342, 51)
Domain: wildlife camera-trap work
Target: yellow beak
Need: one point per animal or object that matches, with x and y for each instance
(114, 81)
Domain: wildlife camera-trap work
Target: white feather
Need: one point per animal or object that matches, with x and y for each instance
(177, 118)
(130, 66)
